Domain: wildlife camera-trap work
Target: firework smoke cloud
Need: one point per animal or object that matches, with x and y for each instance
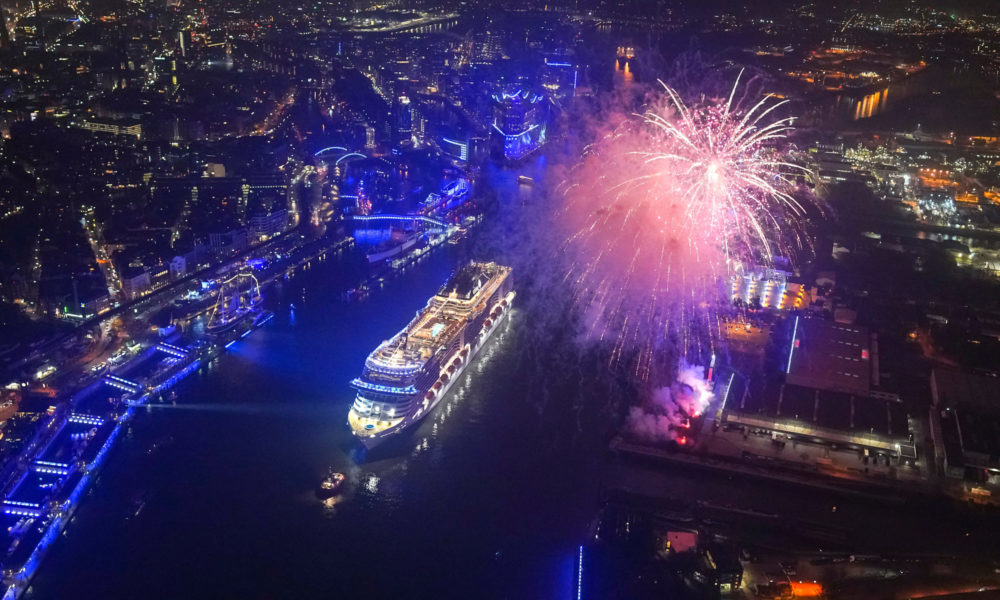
(668, 413)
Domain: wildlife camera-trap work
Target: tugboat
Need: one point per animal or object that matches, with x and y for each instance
(357, 294)
(331, 485)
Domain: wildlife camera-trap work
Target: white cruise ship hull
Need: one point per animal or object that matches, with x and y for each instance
(418, 415)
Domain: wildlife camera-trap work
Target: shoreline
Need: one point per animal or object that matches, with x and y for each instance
(62, 513)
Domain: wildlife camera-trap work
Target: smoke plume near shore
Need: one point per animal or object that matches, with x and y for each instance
(667, 414)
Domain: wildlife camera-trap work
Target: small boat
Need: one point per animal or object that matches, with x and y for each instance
(357, 294)
(525, 180)
(137, 503)
(262, 318)
(331, 485)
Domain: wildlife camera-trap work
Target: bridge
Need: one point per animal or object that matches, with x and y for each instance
(344, 153)
(425, 23)
(382, 220)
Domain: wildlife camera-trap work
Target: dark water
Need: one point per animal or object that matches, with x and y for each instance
(937, 99)
(225, 479)
(214, 497)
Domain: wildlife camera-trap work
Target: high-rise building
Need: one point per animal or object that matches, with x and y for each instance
(487, 48)
(4, 32)
(519, 121)
(402, 120)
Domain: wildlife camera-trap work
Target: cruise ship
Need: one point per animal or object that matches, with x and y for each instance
(406, 376)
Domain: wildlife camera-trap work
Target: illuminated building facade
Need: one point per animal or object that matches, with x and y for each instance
(133, 128)
(457, 149)
(769, 288)
(402, 117)
(519, 122)
(487, 48)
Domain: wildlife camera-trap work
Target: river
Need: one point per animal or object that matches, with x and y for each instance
(212, 496)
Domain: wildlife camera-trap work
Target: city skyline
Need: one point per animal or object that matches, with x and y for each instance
(439, 298)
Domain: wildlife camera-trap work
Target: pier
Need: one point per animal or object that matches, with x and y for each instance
(55, 469)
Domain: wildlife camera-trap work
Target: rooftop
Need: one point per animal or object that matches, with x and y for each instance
(443, 317)
(829, 356)
(466, 282)
(971, 415)
(814, 411)
(955, 388)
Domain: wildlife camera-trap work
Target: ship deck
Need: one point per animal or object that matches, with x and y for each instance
(444, 317)
(433, 328)
(359, 424)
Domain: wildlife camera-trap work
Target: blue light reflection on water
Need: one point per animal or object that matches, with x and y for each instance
(218, 501)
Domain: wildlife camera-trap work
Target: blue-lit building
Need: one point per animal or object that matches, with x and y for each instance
(519, 121)
(458, 149)
(561, 76)
(439, 123)
(402, 120)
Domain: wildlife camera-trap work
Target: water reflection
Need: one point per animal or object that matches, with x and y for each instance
(623, 71)
(330, 505)
(871, 105)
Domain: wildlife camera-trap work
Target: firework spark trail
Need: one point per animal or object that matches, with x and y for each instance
(662, 210)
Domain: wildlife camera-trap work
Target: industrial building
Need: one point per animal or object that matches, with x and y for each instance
(829, 394)
(965, 424)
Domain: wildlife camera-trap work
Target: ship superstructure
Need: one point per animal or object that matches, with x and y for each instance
(406, 376)
(237, 305)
